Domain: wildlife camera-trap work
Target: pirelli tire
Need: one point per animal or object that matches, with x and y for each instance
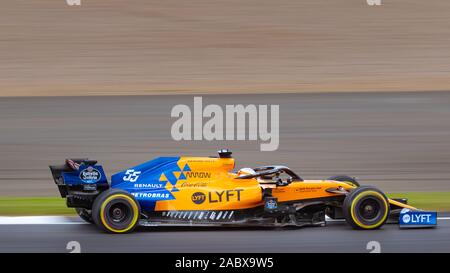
(85, 214)
(345, 178)
(116, 211)
(366, 207)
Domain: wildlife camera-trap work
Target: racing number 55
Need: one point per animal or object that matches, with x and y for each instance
(131, 176)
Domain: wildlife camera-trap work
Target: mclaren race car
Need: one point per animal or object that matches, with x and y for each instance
(205, 191)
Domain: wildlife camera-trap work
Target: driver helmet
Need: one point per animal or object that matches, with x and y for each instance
(245, 171)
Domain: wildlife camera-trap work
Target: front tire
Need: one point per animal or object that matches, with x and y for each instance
(345, 178)
(116, 211)
(366, 207)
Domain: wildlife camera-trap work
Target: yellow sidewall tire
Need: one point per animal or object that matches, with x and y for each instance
(134, 209)
(101, 203)
(350, 207)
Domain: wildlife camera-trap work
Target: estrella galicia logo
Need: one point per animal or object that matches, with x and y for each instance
(90, 175)
(198, 198)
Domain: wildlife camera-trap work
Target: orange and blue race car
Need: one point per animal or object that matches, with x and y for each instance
(204, 191)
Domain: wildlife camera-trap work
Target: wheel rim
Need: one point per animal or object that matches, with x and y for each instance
(369, 209)
(119, 212)
(119, 215)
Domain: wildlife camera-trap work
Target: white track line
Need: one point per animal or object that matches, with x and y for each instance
(328, 219)
(39, 220)
(67, 220)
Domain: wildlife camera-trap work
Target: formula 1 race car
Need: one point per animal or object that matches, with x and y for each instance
(204, 191)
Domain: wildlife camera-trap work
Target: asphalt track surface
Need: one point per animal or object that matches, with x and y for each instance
(335, 237)
(397, 141)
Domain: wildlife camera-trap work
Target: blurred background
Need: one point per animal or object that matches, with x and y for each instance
(173, 46)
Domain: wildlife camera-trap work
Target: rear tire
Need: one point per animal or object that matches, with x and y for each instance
(85, 214)
(345, 178)
(116, 211)
(366, 207)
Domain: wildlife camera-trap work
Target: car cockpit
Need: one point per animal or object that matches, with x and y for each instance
(278, 175)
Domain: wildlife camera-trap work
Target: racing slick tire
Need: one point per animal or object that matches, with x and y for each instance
(116, 211)
(366, 207)
(85, 214)
(345, 178)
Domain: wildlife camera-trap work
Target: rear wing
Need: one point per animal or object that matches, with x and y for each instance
(76, 173)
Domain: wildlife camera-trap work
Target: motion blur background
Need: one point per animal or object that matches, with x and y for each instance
(175, 46)
(394, 139)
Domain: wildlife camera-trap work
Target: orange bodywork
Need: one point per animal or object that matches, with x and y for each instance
(211, 185)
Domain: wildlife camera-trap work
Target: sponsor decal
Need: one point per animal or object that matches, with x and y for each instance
(194, 185)
(198, 198)
(148, 186)
(90, 175)
(131, 175)
(152, 195)
(312, 189)
(406, 218)
(90, 187)
(410, 218)
(271, 204)
(224, 215)
(224, 196)
(198, 174)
